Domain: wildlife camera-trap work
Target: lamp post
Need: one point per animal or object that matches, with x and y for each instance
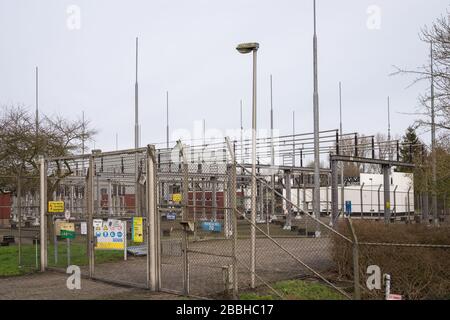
(245, 48)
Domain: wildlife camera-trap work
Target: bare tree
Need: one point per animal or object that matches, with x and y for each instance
(439, 36)
(21, 144)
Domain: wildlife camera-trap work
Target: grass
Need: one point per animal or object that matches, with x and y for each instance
(78, 255)
(9, 260)
(296, 290)
(9, 257)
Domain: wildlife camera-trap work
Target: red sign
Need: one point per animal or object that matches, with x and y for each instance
(394, 297)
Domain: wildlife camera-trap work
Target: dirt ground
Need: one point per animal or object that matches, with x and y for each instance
(209, 262)
(52, 286)
(209, 269)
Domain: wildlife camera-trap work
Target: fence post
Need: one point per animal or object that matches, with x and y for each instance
(90, 209)
(379, 200)
(287, 183)
(153, 248)
(362, 201)
(235, 231)
(395, 202)
(19, 213)
(356, 288)
(387, 194)
(185, 218)
(234, 219)
(43, 211)
(409, 204)
(334, 193)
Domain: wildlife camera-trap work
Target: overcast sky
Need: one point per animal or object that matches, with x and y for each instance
(188, 48)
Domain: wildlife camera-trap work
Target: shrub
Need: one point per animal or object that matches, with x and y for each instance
(416, 272)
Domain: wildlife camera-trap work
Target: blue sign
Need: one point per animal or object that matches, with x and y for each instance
(211, 226)
(171, 216)
(348, 207)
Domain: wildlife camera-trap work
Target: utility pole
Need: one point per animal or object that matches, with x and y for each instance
(272, 149)
(433, 143)
(37, 102)
(316, 128)
(136, 136)
(389, 128)
(242, 137)
(82, 141)
(293, 138)
(167, 119)
(204, 132)
(342, 163)
(272, 153)
(136, 103)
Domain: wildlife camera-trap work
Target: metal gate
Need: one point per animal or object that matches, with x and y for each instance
(198, 236)
(99, 190)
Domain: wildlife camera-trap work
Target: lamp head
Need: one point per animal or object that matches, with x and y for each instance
(247, 47)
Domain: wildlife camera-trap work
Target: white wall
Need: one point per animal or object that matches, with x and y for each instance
(403, 181)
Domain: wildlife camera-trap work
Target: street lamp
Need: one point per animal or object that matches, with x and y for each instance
(245, 48)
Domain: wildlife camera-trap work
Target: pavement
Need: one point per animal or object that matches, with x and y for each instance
(52, 286)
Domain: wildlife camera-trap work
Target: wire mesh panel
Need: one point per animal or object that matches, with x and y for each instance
(409, 261)
(210, 254)
(290, 243)
(19, 223)
(195, 221)
(119, 218)
(170, 211)
(67, 213)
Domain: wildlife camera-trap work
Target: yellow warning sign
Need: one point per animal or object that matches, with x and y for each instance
(138, 235)
(113, 235)
(388, 205)
(56, 206)
(176, 197)
(62, 225)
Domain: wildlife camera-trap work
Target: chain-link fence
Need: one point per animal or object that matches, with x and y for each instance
(66, 185)
(206, 226)
(19, 224)
(410, 261)
(96, 203)
(290, 243)
(210, 244)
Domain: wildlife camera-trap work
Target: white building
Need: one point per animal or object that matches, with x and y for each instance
(367, 196)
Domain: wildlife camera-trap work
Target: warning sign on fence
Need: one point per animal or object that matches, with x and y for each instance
(63, 225)
(65, 229)
(176, 197)
(138, 235)
(56, 206)
(111, 235)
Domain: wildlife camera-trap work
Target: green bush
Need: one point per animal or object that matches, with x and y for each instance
(416, 272)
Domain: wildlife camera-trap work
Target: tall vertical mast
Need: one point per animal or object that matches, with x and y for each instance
(389, 128)
(272, 149)
(167, 119)
(136, 102)
(242, 136)
(293, 138)
(37, 102)
(433, 142)
(342, 164)
(316, 124)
